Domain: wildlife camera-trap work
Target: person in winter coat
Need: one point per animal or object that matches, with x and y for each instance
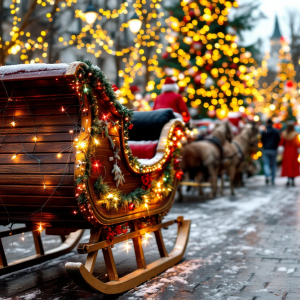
(270, 139)
(290, 142)
(169, 98)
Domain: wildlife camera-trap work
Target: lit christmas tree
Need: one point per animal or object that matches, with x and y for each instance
(214, 73)
(281, 98)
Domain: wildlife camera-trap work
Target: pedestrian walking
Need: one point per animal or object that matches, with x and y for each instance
(290, 142)
(169, 98)
(270, 139)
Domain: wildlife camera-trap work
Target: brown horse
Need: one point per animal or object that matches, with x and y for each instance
(236, 152)
(205, 156)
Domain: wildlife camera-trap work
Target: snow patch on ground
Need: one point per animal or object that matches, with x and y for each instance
(178, 274)
(30, 296)
(288, 271)
(268, 252)
(249, 229)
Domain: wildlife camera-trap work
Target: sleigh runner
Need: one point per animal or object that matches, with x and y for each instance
(68, 162)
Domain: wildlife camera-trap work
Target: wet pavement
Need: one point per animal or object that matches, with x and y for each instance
(242, 247)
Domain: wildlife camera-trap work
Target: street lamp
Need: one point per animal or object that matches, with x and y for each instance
(134, 23)
(91, 13)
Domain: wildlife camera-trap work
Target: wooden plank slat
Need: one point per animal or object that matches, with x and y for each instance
(40, 129)
(36, 169)
(38, 147)
(50, 180)
(39, 91)
(48, 209)
(51, 218)
(37, 121)
(23, 102)
(41, 137)
(51, 158)
(36, 190)
(38, 200)
(91, 247)
(39, 110)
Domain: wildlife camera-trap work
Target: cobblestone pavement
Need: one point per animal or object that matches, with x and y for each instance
(243, 247)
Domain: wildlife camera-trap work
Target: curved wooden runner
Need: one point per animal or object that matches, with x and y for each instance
(83, 276)
(41, 256)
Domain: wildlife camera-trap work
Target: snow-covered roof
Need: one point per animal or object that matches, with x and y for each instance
(26, 68)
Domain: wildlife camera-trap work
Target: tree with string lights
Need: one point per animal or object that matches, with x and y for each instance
(281, 98)
(214, 73)
(39, 31)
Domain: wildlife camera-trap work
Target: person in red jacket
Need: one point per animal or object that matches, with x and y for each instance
(290, 164)
(169, 98)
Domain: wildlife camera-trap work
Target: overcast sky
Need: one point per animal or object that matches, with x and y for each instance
(265, 27)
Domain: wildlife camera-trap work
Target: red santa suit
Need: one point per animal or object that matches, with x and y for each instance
(169, 98)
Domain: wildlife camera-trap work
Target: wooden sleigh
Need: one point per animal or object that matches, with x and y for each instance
(67, 163)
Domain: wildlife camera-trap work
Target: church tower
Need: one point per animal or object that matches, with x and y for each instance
(275, 46)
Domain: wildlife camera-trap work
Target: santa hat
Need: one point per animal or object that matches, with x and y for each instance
(170, 86)
(114, 87)
(134, 89)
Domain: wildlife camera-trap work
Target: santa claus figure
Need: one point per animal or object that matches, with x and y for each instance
(169, 98)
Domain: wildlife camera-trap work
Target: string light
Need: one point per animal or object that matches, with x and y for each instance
(146, 238)
(280, 98)
(214, 88)
(127, 246)
(40, 227)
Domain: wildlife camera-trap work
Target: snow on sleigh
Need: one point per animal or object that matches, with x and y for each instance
(67, 165)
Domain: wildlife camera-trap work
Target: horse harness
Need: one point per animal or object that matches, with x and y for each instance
(215, 141)
(240, 152)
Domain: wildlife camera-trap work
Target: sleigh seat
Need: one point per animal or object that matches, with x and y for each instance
(148, 135)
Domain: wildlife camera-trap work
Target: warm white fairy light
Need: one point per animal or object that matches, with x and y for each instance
(146, 238)
(40, 227)
(127, 247)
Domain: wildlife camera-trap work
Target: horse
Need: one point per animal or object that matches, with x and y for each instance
(204, 157)
(236, 152)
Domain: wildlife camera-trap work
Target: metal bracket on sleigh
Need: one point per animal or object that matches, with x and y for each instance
(83, 274)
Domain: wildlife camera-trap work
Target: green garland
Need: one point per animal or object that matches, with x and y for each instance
(137, 197)
(91, 75)
(110, 195)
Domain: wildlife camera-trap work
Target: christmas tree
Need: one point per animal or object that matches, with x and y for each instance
(281, 97)
(213, 72)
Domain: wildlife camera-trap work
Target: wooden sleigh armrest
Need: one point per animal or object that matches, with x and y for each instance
(161, 147)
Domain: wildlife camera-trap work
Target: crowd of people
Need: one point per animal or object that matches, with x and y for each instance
(270, 138)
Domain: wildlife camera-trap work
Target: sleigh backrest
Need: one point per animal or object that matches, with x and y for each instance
(39, 112)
